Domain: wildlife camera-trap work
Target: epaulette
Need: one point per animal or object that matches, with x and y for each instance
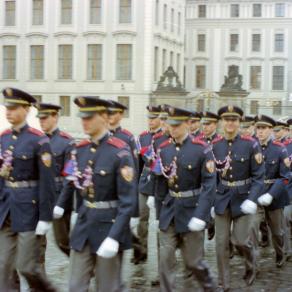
(278, 143)
(287, 142)
(65, 135)
(116, 142)
(83, 143)
(144, 133)
(217, 139)
(158, 135)
(165, 143)
(199, 141)
(247, 138)
(6, 132)
(128, 133)
(35, 131)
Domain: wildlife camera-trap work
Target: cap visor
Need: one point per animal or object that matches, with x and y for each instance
(85, 114)
(42, 115)
(152, 116)
(174, 122)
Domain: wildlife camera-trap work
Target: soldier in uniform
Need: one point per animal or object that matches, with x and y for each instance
(188, 170)
(27, 194)
(209, 123)
(247, 126)
(104, 175)
(274, 196)
(62, 145)
(195, 124)
(241, 173)
(281, 131)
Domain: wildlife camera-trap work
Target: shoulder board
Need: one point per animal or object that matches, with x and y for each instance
(116, 142)
(6, 132)
(217, 139)
(83, 143)
(199, 141)
(35, 131)
(158, 135)
(126, 132)
(65, 135)
(144, 133)
(287, 142)
(247, 138)
(165, 143)
(278, 143)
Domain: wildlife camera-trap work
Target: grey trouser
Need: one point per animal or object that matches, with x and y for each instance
(21, 251)
(255, 228)
(287, 228)
(84, 264)
(240, 237)
(191, 245)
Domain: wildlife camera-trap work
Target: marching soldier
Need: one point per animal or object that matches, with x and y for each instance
(241, 172)
(281, 131)
(62, 145)
(195, 124)
(274, 196)
(104, 175)
(247, 126)
(189, 172)
(27, 194)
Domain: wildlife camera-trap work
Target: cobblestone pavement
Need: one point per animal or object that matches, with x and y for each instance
(138, 278)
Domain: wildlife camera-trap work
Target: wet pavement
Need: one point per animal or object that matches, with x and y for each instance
(139, 278)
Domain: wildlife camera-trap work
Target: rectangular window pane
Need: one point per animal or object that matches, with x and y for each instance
(163, 61)
(9, 62)
(157, 10)
(257, 10)
(37, 12)
(37, 62)
(234, 10)
(66, 12)
(9, 13)
(279, 42)
(254, 107)
(125, 11)
(156, 63)
(201, 42)
(255, 77)
(125, 100)
(172, 20)
(65, 104)
(124, 62)
(178, 64)
(256, 42)
(202, 11)
(179, 23)
(277, 108)
(165, 16)
(95, 11)
(279, 9)
(278, 77)
(234, 42)
(94, 62)
(65, 61)
(200, 76)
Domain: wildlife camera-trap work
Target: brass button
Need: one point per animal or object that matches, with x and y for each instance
(91, 196)
(230, 143)
(175, 158)
(113, 220)
(176, 186)
(231, 176)
(242, 159)
(102, 172)
(93, 150)
(14, 137)
(33, 201)
(11, 147)
(90, 162)
(177, 148)
(11, 178)
(230, 167)
(209, 141)
(189, 166)
(229, 152)
(24, 157)
(176, 177)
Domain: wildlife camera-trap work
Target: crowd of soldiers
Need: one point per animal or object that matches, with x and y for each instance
(234, 186)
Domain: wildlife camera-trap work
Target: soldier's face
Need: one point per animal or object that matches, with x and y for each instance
(209, 128)
(95, 124)
(247, 131)
(263, 133)
(115, 119)
(279, 133)
(48, 123)
(179, 131)
(16, 115)
(194, 125)
(230, 125)
(154, 123)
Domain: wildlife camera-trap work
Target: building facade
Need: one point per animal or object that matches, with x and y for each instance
(255, 36)
(116, 49)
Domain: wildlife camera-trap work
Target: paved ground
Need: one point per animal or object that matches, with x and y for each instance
(139, 278)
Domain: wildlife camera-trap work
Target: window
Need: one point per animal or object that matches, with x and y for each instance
(255, 77)
(38, 98)
(234, 10)
(163, 61)
(125, 11)
(278, 78)
(94, 62)
(9, 13)
(201, 42)
(254, 107)
(125, 100)
(200, 105)
(279, 42)
(279, 9)
(95, 11)
(157, 11)
(156, 62)
(172, 20)
(179, 23)
(171, 59)
(37, 62)
(256, 42)
(66, 12)
(165, 16)
(178, 64)
(234, 43)
(277, 108)
(200, 76)
(65, 61)
(38, 12)
(9, 62)
(257, 10)
(124, 62)
(202, 11)
(65, 104)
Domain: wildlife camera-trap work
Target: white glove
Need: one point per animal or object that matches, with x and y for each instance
(248, 207)
(196, 224)
(42, 228)
(265, 199)
(212, 212)
(134, 222)
(58, 212)
(74, 217)
(150, 202)
(108, 248)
